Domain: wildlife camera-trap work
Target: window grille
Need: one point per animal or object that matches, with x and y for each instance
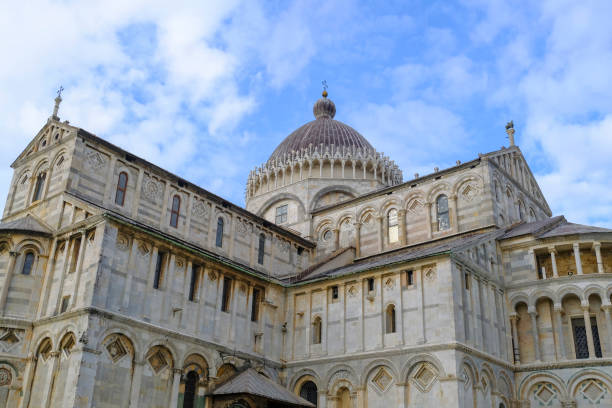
(281, 214)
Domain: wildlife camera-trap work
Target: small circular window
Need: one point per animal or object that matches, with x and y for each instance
(327, 235)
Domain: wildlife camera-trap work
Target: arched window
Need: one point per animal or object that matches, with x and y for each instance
(28, 262)
(39, 186)
(317, 331)
(121, 188)
(308, 391)
(390, 319)
(442, 213)
(521, 211)
(219, 241)
(260, 250)
(191, 385)
(393, 227)
(174, 213)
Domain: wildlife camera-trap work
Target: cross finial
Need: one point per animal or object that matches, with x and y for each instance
(324, 83)
(58, 99)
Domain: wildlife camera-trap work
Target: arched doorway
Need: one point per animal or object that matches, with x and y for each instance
(308, 391)
(191, 386)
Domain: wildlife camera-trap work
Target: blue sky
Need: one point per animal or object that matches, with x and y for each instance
(208, 89)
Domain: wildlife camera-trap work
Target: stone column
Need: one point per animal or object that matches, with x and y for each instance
(455, 218)
(597, 248)
(429, 229)
(536, 336)
(79, 269)
(48, 281)
(577, 257)
(402, 226)
(136, 381)
(357, 239)
(28, 379)
(379, 220)
(176, 381)
(336, 232)
(589, 330)
(557, 310)
(515, 349)
(553, 260)
(46, 400)
(7, 280)
(606, 308)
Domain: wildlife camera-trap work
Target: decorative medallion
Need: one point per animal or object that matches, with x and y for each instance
(213, 275)
(116, 350)
(5, 377)
(389, 283)
(180, 262)
(199, 209)
(157, 361)
(429, 272)
(382, 380)
(424, 377)
(95, 160)
(352, 291)
(242, 227)
(152, 189)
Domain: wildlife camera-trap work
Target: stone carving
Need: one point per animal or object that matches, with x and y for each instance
(429, 272)
(545, 393)
(282, 246)
(95, 160)
(5, 377)
(424, 377)
(180, 262)
(116, 350)
(157, 361)
(213, 275)
(199, 209)
(415, 207)
(9, 338)
(352, 291)
(152, 189)
(123, 242)
(389, 283)
(593, 390)
(469, 192)
(143, 249)
(242, 227)
(382, 380)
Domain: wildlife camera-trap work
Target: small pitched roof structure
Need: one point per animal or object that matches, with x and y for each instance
(252, 383)
(552, 227)
(28, 224)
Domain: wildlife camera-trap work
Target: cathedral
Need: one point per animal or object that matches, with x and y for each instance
(341, 283)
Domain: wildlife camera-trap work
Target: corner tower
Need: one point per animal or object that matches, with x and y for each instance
(321, 163)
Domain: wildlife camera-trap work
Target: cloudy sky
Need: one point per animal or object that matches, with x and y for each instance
(208, 89)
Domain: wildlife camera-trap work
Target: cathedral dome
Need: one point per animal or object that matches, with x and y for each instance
(322, 133)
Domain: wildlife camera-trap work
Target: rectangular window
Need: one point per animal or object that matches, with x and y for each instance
(580, 337)
(255, 305)
(466, 278)
(410, 278)
(158, 270)
(281, 214)
(227, 291)
(76, 245)
(65, 304)
(334, 291)
(370, 284)
(193, 282)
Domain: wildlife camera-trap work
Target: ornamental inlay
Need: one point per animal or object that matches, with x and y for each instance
(199, 209)
(382, 380)
(95, 160)
(545, 394)
(424, 377)
(116, 350)
(151, 189)
(158, 361)
(593, 390)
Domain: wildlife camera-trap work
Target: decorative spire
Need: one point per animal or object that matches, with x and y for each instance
(58, 100)
(324, 108)
(510, 132)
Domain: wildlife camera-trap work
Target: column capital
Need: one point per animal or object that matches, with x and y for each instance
(557, 307)
(606, 307)
(514, 317)
(177, 371)
(532, 311)
(584, 306)
(401, 212)
(576, 245)
(552, 249)
(596, 244)
(13, 253)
